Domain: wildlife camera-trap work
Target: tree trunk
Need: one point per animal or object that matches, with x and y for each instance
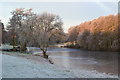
(14, 44)
(44, 54)
(23, 48)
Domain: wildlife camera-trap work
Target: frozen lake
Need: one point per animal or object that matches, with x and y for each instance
(105, 62)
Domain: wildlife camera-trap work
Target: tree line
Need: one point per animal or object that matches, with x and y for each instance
(27, 28)
(99, 34)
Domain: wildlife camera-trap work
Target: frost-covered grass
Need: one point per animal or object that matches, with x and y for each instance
(17, 53)
(0, 64)
(5, 46)
(16, 67)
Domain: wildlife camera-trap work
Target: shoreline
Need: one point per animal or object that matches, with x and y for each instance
(77, 74)
(89, 49)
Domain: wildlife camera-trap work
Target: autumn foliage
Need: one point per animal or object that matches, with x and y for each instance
(99, 34)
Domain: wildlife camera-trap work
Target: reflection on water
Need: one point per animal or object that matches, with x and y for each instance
(91, 60)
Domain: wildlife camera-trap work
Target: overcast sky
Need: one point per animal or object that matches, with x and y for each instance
(72, 13)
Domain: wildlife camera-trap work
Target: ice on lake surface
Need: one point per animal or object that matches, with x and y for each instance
(106, 62)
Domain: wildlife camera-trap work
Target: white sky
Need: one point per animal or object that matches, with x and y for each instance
(72, 13)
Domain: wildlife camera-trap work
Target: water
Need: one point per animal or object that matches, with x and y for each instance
(105, 62)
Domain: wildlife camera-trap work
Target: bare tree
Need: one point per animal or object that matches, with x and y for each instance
(32, 28)
(20, 25)
(47, 26)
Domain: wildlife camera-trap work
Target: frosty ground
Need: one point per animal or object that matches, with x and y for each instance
(38, 67)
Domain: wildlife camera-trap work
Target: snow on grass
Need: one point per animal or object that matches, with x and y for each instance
(16, 67)
(0, 64)
(5, 46)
